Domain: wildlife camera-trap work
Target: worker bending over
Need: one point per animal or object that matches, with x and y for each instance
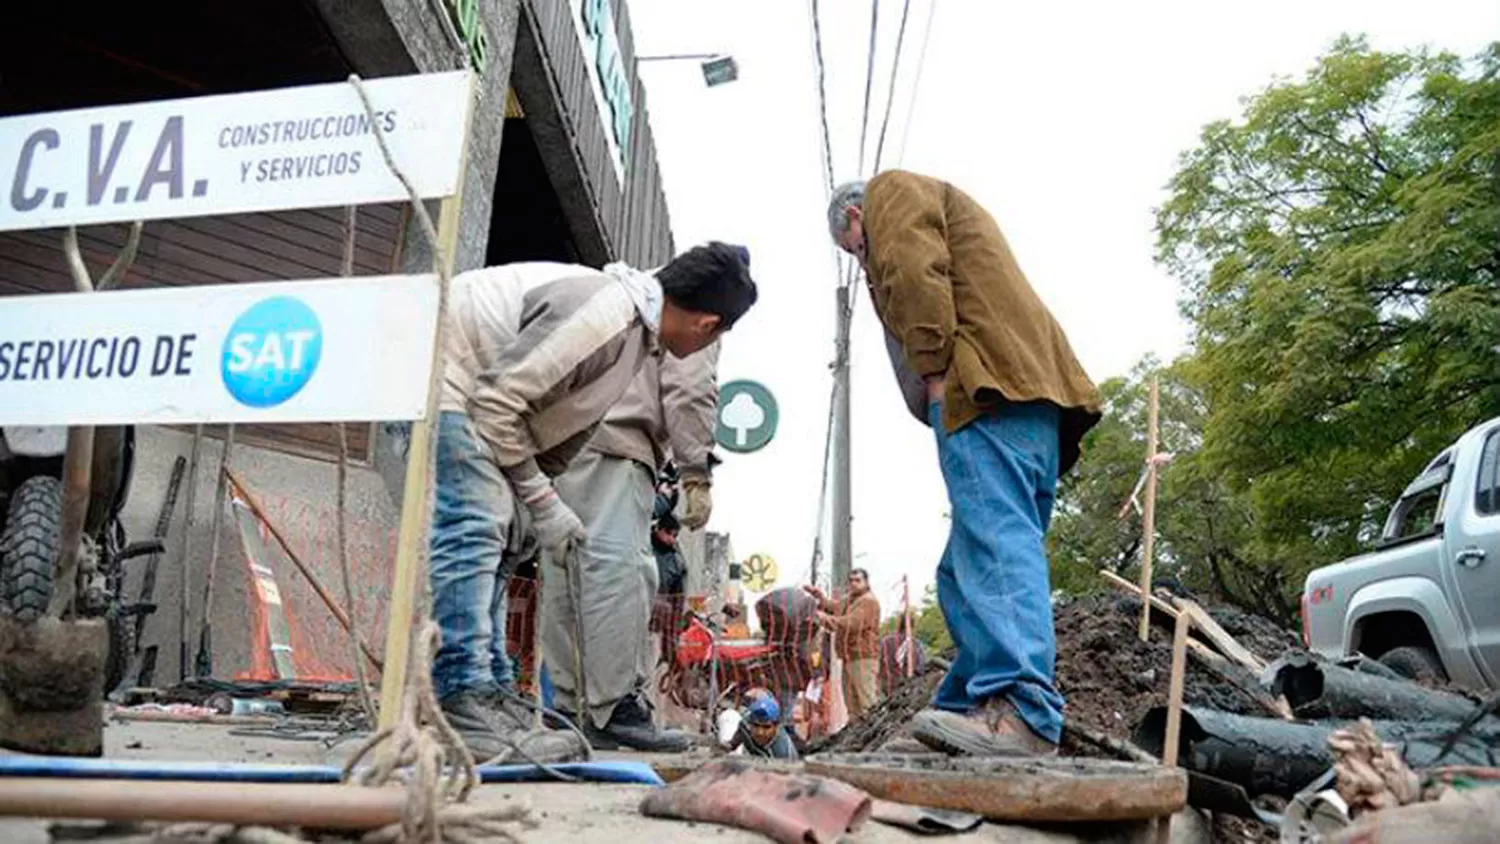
(536, 354)
(1009, 405)
(668, 412)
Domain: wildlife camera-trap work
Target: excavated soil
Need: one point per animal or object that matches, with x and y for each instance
(1110, 678)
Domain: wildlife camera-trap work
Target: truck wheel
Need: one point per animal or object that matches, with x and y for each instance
(28, 546)
(1415, 662)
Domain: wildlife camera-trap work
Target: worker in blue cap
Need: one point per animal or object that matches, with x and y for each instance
(759, 731)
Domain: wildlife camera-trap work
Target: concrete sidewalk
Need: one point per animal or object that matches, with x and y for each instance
(568, 813)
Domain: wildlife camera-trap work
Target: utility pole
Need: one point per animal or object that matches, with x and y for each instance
(842, 555)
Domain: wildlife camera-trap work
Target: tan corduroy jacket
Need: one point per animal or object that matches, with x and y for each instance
(949, 290)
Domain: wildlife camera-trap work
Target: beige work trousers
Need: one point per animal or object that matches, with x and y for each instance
(861, 685)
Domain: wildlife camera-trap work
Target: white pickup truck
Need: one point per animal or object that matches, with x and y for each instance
(1426, 601)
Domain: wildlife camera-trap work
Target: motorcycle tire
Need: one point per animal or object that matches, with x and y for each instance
(121, 650)
(29, 546)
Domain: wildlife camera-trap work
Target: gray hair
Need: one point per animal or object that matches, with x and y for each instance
(845, 196)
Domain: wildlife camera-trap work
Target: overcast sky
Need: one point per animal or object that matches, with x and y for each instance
(1063, 119)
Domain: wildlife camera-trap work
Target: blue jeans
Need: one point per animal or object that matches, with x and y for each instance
(472, 520)
(993, 583)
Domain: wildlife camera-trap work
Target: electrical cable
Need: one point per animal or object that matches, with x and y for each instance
(890, 94)
(916, 86)
(817, 33)
(864, 127)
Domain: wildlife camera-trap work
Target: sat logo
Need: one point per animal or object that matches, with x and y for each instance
(272, 351)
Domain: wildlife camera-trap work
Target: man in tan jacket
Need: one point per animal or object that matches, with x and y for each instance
(1009, 404)
(855, 624)
(669, 411)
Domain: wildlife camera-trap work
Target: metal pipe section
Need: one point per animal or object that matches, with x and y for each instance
(1271, 756)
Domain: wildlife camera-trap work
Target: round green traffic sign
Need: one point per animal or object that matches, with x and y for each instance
(747, 416)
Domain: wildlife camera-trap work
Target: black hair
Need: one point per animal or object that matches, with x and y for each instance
(710, 279)
(861, 572)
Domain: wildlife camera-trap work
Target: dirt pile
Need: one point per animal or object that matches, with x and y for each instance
(1110, 677)
(886, 720)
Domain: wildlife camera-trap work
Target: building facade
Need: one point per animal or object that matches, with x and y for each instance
(562, 167)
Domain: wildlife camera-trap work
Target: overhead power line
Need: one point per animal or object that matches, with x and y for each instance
(817, 33)
(864, 122)
(890, 94)
(916, 87)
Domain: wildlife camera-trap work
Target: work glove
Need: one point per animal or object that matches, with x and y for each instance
(553, 522)
(556, 526)
(700, 502)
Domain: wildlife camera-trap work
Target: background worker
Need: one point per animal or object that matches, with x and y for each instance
(1009, 404)
(535, 355)
(855, 623)
(668, 412)
(757, 730)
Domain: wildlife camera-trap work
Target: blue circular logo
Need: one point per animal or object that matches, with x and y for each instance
(272, 352)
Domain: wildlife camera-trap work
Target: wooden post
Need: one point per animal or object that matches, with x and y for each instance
(416, 505)
(1174, 709)
(1148, 520)
(415, 498)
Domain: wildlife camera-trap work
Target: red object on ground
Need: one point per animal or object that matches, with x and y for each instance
(790, 808)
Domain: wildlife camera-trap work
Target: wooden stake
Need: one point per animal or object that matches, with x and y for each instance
(1174, 708)
(349, 807)
(416, 501)
(1218, 636)
(1148, 521)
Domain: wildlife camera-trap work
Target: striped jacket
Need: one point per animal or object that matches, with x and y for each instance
(670, 409)
(537, 353)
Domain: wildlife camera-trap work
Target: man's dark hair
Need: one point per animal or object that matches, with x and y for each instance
(711, 279)
(861, 572)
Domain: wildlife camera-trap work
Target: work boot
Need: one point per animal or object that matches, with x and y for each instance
(631, 727)
(992, 729)
(473, 720)
(512, 718)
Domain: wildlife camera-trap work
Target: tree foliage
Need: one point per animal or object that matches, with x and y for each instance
(1338, 248)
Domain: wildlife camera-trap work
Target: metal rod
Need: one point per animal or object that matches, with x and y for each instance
(672, 57)
(204, 664)
(184, 620)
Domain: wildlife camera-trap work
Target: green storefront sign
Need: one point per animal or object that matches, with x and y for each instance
(747, 417)
(465, 15)
(599, 24)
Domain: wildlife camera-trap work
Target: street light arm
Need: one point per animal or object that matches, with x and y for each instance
(679, 57)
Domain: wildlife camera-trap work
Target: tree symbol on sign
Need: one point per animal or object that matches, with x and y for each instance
(743, 415)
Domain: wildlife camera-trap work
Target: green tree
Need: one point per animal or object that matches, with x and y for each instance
(1201, 524)
(1339, 250)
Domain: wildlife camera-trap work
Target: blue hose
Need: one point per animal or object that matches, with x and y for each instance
(143, 769)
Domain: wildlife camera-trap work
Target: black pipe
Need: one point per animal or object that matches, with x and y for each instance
(1269, 756)
(1318, 689)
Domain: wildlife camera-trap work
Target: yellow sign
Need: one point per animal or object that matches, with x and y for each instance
(759, 573)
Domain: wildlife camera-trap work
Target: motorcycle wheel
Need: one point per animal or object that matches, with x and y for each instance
(29, 546)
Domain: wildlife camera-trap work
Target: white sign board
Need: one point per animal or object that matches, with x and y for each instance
(305, 147)
(295, 351)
